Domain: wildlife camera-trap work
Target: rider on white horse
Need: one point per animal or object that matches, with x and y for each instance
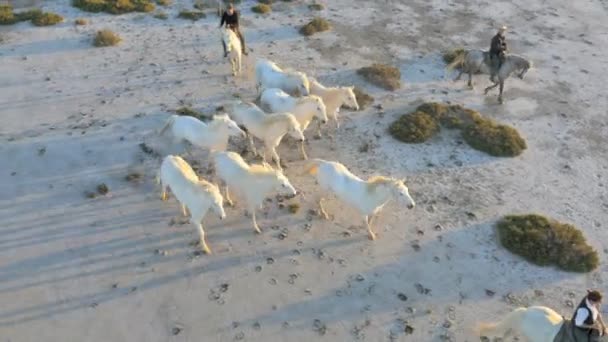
(498, 49)
(231, 19)
(588, 318)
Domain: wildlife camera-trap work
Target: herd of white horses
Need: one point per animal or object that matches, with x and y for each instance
(289, 101)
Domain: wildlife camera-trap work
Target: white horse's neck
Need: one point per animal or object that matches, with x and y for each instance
(380, 195)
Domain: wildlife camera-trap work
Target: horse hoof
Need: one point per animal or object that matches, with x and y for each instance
(371, 236)
(258, 231)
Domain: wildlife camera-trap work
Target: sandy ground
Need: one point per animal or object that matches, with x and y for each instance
(120, 267)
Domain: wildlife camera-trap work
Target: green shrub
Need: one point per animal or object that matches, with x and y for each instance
(316, 7)
(314, 26)
(450, 116)
(191, 15)
(261, 8)
(545, 242)
(161, 15)
(363, 99)
(164, 2)
(450, 56)
(7, 17)
(414, 128)
(106, 38)
(382, 75)
(494, 139)
(266, 2)
(47, 19)
(114, 6)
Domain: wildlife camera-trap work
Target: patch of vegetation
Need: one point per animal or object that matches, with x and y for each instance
(414, 128)
(103, 189)
(161, 16)
(266, 2)
(188, 111)
(545, 242)
(114, 6)
(134, 177)
(106, 38)
(494, 139)
(80, 22)
(293, 208)
(164, 2)
(314, 26)
(382, 75)
(191, 15)
(28, 15)
(480, 133)
(316, 7)
(47, 19)
(261, 9)
(363, 98)
(450, 56)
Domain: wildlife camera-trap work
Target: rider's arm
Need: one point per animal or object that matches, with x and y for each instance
(223, 19)
(579, 319)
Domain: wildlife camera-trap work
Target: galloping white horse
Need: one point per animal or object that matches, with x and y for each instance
(254, 182)
(476, 61)
(368, 197)
(269, 128)
(197, 195)
(303, 108)
(334, 98)
(213, 135)
(536, 324)
(233, 47)
(269, 75)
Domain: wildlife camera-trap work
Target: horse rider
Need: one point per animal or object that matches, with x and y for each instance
(231, 19)
(588, 318)
(498, 49)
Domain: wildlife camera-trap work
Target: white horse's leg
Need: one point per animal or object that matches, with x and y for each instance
(322, 209)
(184, 210)
(228, 199)
(275, 156)
(303, 151)
(163, 194)
(252, 145)
(368, 222)
(502, 85)
(255, 223)
(201, 240)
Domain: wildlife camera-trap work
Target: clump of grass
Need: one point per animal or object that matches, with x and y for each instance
(363, 98)
(261, 9)
(480, 133)
(494, 139)
(316, 7)
(188, 111)
(103, 189)
(8, 17)
(314, 26)
(191, 15)
(80, 22)
(266, 2)
(161, 16)
(545, 242)
(47, 19)
(164, 2)
(450, 56)
(114, 6)
(106, 38)
(134, 177)
(382, 75)
(293, 208)
(28, 15)
(414, 128)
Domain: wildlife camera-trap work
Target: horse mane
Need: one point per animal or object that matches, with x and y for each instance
(262, 170)
(375, 181)
(302, 99)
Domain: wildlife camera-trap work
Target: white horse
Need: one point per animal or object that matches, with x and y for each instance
(303, 108)
(535, 323)
(197, 195)
(213, 135)
(269, 75)
(478, 61)
(334, 98)
(255, 182)
(368, 197)
(233, 48)
(269, 128)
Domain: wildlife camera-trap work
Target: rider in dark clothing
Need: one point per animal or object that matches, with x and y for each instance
(498, 48)
(231, 19)
(588, 318)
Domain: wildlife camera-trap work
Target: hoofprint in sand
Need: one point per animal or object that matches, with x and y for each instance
(119, 267)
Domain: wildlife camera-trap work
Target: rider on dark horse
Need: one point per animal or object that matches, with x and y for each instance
(498, 49)
(587, 316)
(231, 19)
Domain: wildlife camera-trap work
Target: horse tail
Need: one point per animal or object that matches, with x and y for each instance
(168, 124)
(458, 60)
(313, 167)
(512, 320)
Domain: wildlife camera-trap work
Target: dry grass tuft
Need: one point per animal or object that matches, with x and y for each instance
(261, 9)
(161, 16)
(47, 19)
(106, 38)
(495, 139)
(363, 98)
(164, 2)
(103, 189)
(114, 6)
(545, 242)
(80, 22)
(382, 75)
(450, 56)
(293, 208)
(314, 26)
(36, 16)
(316, 7)
(191, 15)
(414, 128)
(189, 111)
(266, 2)
(134, 177)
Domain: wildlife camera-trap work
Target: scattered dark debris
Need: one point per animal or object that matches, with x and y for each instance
(176, 330)
(402, 297)
(134, 177)
(102, 189)
(293, 208)
(319, 327)
(41, 151)
(490, 293)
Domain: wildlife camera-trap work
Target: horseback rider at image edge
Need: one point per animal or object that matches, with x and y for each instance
(231, 19)
(588, 318)
(498, 49)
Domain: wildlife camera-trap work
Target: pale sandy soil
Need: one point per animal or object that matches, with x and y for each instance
(117, 268)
